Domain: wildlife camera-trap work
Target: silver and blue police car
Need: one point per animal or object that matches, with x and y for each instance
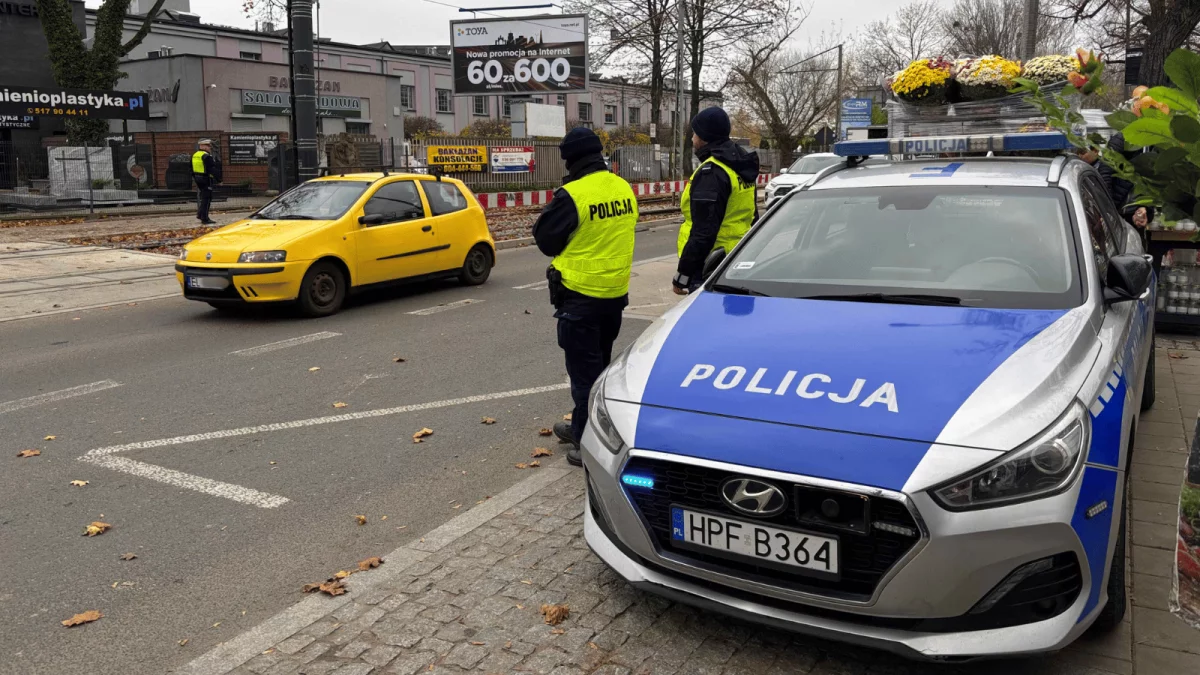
(898, 414)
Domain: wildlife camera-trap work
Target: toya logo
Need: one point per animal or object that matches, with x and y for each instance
(472, 30)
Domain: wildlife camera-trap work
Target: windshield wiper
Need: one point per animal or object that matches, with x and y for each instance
(292, 216)
(737, 290)
(898, 299)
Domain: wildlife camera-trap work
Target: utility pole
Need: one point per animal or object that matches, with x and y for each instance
(838, 124)
(1029, 36)
(680, 140)
(303, 87)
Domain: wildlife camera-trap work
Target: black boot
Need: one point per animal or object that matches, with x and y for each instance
(574, 457)
(563, 431)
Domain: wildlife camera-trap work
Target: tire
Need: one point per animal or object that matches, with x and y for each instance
(477, 267)
(322, 291)
(1114, 612)
(1148, 385)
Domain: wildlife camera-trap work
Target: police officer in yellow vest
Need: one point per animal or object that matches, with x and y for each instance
(718, 203)
(206, 171)
(588, 229)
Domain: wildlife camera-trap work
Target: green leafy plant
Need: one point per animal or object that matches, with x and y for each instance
(1166, 119)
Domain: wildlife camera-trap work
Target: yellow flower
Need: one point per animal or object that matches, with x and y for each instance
(920, 74)
(989, 70)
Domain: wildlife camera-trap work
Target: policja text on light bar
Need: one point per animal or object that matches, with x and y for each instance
(933, 145)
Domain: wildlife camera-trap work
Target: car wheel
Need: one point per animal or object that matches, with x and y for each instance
(1114, 612)
(1148, 386)
(477, 267)
(322, 291)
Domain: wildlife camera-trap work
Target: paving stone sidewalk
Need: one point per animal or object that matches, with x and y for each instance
(471, 603)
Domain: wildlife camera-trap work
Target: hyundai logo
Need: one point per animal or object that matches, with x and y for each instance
(753, 497)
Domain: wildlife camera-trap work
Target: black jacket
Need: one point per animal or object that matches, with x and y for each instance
(553, 230)
(212, 168)
(710, 195)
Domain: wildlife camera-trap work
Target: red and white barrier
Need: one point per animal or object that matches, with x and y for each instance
(508, 200)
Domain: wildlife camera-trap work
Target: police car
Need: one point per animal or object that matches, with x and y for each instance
(899, 413)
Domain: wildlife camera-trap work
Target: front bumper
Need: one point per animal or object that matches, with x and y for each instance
(237, 283)
(920, 608)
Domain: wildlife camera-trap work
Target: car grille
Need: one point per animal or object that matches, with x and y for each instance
(867, 551)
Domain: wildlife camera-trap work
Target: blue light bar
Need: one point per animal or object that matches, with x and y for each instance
(935, 145)
(637, 481)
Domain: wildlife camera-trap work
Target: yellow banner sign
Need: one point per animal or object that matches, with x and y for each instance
(458, 158)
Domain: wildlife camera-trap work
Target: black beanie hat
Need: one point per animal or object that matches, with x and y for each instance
(712, 125)
(578, 143)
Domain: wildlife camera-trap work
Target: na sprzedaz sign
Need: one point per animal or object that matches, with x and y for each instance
(513, 159)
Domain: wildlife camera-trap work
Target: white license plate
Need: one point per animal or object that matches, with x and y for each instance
(753, 540)
(207, 283)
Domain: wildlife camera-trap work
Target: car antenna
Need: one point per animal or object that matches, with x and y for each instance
(385, 173)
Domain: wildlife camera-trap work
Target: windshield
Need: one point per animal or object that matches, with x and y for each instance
(813, 164)
(317, 200)
(976, 246)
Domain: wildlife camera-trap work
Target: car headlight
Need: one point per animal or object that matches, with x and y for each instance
(262, 256)
(598, 417)
(183, 254)
(1045, 466)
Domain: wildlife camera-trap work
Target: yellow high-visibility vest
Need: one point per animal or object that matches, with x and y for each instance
(739, 211)
(599, 256)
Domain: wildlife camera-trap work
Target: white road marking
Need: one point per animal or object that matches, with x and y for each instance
(330, 419)
(669, 256)
(539, 285)
(441, 308)
(284, 344)
(59, 395)
(535, 285)
(215, 488)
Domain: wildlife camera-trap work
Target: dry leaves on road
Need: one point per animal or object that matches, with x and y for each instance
(82, 618)
(370, 563)
(557, 631)
(29, 453)
(556, 614)
(399, 359)
(522, 465)
(79, 483)
(342, 574)
(534, 464)
(545, 432)
(541, 452)
(314, 369)
(567, 417)
(1176, 355)
(422, 434)
(126, 556)
(361, 520)
(330, 587)
(96, 528)
(339, 404)
(489, 420)
(183, 642)
(477, 643)
(50, 438)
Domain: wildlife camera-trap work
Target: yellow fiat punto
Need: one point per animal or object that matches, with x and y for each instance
(324, 238)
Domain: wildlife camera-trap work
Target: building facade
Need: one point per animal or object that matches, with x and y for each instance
(202, 76)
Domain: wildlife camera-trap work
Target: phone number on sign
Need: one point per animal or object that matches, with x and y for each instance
(57, 111)
(539, 70)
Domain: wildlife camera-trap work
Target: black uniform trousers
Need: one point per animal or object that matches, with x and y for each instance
(204, 193)
(586, 341)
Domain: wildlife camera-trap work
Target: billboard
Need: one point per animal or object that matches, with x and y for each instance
(251, 148)
(529, 55)
(73, 103)
(513, 159)
(458, 158)
(856, 112)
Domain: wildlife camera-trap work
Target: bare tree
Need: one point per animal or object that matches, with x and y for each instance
(980, 27)
(1158, 27)
(890, 44)
(789, 91)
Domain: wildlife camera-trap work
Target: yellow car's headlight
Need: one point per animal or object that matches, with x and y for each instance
(262, 256)
(183, 254)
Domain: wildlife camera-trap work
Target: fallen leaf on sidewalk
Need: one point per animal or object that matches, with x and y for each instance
(183, 642)
(370, 563)
(556, 614)
(126, 556)
(528, 312)
(79, 483)
(522, 465)
(593, 645)
(314, 369)
(383, 517)
(489, 420)
(541, 452)
(557, 631)
(82, 618)
(49, 438)
(96, 528)
(508, 645)
(342, 574)
(332, 587)
(456, 506)
(362, 520)
(545, 432)
(535, 464)
(477, 643)
(339, 404)
(216, 624)
(567, 417)
(423, 433)
(399, 359)
(29, 453)
(1176, 355)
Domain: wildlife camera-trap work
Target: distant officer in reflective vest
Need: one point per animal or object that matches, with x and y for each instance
(206, 171)
(588, 228)
(718, 203)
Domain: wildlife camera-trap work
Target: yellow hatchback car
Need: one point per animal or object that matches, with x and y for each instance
(321, 240)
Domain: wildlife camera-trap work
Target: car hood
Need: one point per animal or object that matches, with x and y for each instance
(791, 179)
(848, 383)
(227, 243)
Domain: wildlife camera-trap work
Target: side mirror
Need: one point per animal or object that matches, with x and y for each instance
(1128, 278)
(713, 261)
(784, 169)
(373, 219)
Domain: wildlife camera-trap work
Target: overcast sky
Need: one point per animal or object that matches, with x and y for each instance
(427, 21)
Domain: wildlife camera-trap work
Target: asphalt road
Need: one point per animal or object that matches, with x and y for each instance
(209, 566)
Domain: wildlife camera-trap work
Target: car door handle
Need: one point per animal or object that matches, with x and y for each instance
(427, 228)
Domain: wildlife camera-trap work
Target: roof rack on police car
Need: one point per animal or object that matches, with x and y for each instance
(981, 144)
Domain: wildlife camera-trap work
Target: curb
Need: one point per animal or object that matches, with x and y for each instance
(233, 653)
(526, 241)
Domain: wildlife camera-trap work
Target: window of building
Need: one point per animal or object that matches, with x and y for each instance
(445, 101)
(507, 112)
(585, 112)
(443, 197)
(360, 128)
(246, 124)
(250, 56)
(610, 114)
(408, 97)
(396, 202)
(153, 54)
(562, 100)
(635, 116)
(480, 104)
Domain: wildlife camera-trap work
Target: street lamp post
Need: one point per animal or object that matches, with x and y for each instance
(1029, 37)
(303, 87)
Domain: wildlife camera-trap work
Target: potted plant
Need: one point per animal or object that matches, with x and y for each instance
(923, 82)
(986, 77)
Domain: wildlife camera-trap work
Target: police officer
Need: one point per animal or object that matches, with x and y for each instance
(718, 203)
(588, 228)
(206, 171)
